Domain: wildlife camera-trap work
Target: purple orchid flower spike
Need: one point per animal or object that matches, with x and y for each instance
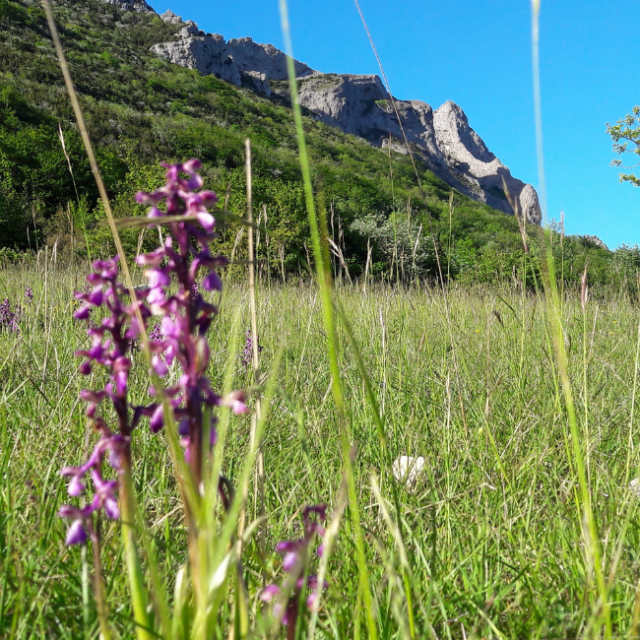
(111, 343)
(247, 353)
(177, 275)
(295, 563)
(185, 315)
(9, 320)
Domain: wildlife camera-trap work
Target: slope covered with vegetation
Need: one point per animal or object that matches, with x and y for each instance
(141, 110)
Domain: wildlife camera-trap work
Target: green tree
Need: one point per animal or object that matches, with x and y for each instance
(626, 139)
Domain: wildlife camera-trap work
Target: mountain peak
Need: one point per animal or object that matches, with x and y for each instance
(170, 17)
(139, 6)
(360, 105)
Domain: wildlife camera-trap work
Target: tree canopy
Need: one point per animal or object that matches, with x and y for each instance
(625, 134)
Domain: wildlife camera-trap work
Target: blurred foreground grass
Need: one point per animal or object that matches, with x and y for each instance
(492, 532)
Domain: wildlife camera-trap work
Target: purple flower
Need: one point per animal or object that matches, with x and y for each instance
(172, 295)
(112, 340)
(155, 333)
(9, 319)
(295, 563)
(247, 354)
(105, 490)
(28, 294)
(111, 344)
(76, 533)
(185, 316)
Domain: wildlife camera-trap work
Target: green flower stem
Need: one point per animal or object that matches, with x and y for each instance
(139, 596)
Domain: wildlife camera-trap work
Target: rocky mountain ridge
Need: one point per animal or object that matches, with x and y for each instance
(359, 105)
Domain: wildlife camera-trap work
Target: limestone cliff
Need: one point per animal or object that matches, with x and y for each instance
(139, 6)
(239, 61)
(359, 105)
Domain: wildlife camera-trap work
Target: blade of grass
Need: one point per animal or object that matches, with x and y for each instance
(591, 538)
(323, 277)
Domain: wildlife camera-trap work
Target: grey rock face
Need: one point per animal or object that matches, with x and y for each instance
(240, 61)
(595, 240)
(170, 17)
(252, 56)
(530, 204)
(467, 155)
(140, 6)
(360, 105)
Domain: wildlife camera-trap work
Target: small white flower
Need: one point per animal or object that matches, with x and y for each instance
(634, 487)
(408, 470)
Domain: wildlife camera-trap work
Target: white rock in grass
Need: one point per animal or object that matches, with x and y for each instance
(408, 470)
(634, 487)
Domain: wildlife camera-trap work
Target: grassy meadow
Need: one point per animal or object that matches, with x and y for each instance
(490, 543)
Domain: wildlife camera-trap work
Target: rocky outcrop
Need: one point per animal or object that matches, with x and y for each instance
(360, 105)
(240, 61)
(140, 6)
(171, 18)
(596, 241)
(468, 157)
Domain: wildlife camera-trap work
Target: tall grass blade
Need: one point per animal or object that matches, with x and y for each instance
(323, 276)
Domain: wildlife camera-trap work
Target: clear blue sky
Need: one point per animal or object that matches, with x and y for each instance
(477, 53)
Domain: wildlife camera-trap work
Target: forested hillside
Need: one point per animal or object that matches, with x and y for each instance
(142, 110)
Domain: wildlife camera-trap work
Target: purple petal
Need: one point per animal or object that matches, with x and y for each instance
(206, 220)
(82, 313)
(153, 259)
(195, 182)
(114, 459)
(148, 198)
(76, 534)
(157, 278)
(156, 295)
(159, 365)
(183, 428)
(111, 508)
(93, 278)
(289, 561)
(212, 282)
(208, 198)
(96, 297)
(85, 368)
(236, 400)
(95, 397)
(75, 487)
(269, 592)
(122, 377)
(67, 511)
(154, 212)
(157, 419)
(190, 166)
(169, 328)
(287, 545)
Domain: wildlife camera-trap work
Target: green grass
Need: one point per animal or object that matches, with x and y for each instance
(493, 534)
